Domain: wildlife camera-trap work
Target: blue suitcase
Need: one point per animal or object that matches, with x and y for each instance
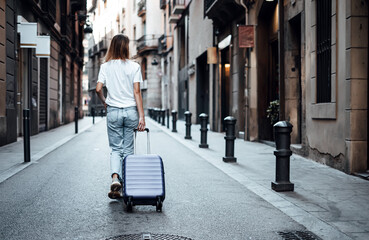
(143, 179)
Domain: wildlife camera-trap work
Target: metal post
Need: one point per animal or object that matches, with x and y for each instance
(162, 117)
(102, 113)
(76, 119)
(204, 129)
(93, 115)
(282, 134)
(167, 118)
(230, 123)
(174, 120)
(26, 135)
(188, 124)
(157, 115)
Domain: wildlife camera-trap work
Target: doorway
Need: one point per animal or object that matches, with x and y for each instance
(23, 87)
(225, 81)
(202, 86)
(268, 70)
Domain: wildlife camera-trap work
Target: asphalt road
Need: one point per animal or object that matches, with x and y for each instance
(64, 196)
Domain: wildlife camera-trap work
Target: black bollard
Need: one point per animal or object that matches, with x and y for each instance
(230, 123)
(204, 130)
(162, 117)
(157, 115)
(174, 120)
(102, 113)
(188, 124)
(26, 135)
(167, 118)
(282, 135)
(154, 114)
(76, 119)
(93, 115)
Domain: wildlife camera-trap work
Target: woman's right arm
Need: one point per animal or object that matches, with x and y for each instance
(138, 98)
(100, 94)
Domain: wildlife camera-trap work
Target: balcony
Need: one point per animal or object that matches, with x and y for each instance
(103, 45)
(223, 11)
(162, 44)
(163, 4)
(141, 11)
(174, 19)
(178, 7)
(147, 43)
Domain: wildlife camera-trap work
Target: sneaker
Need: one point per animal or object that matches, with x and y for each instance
(114, 194)
(115, 185)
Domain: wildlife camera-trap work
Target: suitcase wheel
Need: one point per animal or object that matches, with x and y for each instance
(129, 205)
(159, 205)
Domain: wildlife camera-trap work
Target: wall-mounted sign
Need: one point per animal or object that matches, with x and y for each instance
(43, 46)
(212, 55)
(246, 36)
(28, 34)
(225, 42)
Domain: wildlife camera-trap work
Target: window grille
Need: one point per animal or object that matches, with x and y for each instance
(323, 26)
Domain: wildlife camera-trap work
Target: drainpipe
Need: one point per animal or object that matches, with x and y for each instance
(247, 82)
(281, 60)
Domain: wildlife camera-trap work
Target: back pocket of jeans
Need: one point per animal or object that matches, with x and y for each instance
(112, 115)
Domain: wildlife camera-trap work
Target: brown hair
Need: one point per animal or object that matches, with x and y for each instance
(119, 48)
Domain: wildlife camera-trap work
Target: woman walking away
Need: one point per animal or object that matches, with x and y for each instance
(122, 78)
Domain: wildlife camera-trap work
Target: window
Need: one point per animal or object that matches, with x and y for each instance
(323, 52)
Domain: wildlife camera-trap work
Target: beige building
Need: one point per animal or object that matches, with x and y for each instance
(336, 124)
(322, 89)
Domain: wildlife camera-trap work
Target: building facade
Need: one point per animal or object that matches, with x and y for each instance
(49, 87)
(311, 57)
(141, 22)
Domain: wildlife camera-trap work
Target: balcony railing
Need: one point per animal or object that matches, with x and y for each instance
(163, 4)
(49, 6)
(141, 11)
(162, 44)
(178, 6)
(208, 4)
(147, 42)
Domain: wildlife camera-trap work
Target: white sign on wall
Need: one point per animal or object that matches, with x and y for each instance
(28, 34)
(43, 46)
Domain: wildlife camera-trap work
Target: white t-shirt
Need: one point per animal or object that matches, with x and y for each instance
(118, 76)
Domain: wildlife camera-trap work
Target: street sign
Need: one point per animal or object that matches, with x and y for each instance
(246, 36)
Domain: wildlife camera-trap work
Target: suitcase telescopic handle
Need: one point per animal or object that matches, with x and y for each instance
(148, 140)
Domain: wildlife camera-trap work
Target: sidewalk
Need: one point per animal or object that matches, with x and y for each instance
(12, 155)
(330, 203)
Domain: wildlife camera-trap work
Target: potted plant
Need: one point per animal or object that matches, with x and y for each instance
(273, 112)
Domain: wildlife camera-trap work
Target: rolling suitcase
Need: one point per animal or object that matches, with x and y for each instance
(143, 178)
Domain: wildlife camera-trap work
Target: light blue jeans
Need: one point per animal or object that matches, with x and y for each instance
(121, 123)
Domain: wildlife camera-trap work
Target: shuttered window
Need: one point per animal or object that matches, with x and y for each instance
(43, 95)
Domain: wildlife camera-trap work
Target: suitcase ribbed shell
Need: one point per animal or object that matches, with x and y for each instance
(144, 177)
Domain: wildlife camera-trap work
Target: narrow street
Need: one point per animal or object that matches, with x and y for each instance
(64, 196)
